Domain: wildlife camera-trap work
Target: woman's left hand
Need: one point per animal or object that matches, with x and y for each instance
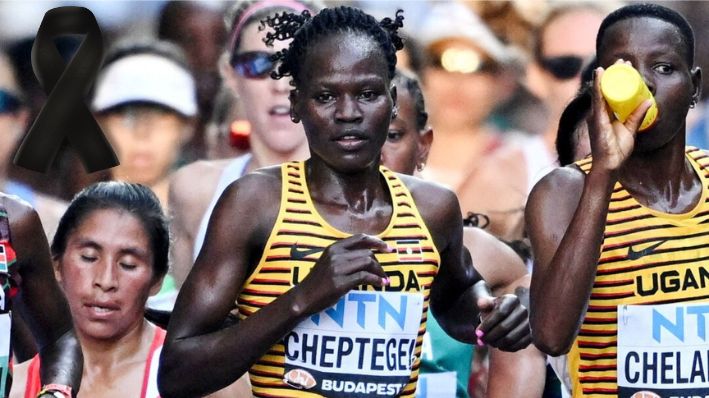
(504, 323)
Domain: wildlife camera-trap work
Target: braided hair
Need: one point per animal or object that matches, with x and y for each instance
(305, 30)
(407, 80)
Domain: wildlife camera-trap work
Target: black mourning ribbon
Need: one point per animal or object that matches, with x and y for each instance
(65, 115)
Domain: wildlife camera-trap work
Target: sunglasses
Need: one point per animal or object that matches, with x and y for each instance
(9, 103)
(253, 64)
(564, 67)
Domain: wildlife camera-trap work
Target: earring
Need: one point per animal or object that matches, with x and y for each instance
(294, 119)
(693, 103)
(394, 113)
(420, 166)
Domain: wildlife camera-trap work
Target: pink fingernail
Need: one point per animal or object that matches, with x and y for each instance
(391, 249)
(480, 343)
(386, 281)
(479, 333)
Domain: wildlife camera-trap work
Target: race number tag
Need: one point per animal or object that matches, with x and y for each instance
(363, 346)
(4, 350)
(663, 349)
(437, 385)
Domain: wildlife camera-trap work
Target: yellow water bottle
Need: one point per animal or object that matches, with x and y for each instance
(624, 90)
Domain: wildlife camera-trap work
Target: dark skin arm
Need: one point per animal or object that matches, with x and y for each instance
(40, 301)
(200, 355)
(565, 217)
(517, 374)
(23, 344)
(457, 296)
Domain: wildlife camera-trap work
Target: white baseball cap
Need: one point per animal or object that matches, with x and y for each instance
(147, 78)
(454, 20)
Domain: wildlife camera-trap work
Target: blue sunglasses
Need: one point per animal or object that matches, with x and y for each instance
(253, 64)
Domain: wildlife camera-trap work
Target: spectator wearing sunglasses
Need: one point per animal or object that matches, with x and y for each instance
(14, 119)
(274, 138)
(564, 43)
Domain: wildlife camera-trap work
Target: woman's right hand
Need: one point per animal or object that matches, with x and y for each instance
(612, 141)
(344, 265)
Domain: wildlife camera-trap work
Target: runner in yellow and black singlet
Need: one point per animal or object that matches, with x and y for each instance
(620, 239)
(356, 254)
(370, 331)
(647, 257)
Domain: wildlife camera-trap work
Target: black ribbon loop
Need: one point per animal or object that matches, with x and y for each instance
(65, 115)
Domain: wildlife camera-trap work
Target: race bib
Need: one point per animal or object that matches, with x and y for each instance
(663, 351)
(363, 346)
(437, 385)
(4, 350)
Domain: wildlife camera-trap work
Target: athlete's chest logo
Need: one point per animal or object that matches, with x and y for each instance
(634, 252)
(300, 252)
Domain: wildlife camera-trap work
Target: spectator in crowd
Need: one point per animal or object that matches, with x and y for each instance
(273, 137)
(198, 29)
(145, 102)
(563, 45)
(467, 74)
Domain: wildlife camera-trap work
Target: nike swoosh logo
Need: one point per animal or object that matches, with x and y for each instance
(298, 253)
(636, 254)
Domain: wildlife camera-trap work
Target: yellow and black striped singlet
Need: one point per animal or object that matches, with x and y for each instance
(647, 257)
(295, 244)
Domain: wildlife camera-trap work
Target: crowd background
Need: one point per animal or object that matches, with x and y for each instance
(495, 123)
(517, 107)
(202, 37)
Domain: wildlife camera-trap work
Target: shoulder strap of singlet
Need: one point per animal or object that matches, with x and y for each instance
(150, 373)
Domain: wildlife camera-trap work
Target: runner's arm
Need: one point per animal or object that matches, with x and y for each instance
(458, 289)
(453, 298)
(496, 262)
(565, 218)
(199, 356)
(517, 374)
(40, 301)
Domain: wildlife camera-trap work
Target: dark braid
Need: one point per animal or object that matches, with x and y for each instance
(406, 80)
(305, 29)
